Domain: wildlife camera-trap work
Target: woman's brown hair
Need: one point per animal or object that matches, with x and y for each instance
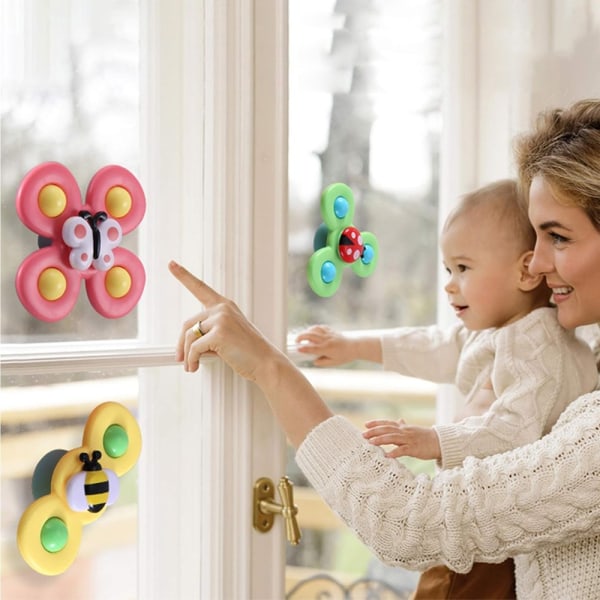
(564, 148)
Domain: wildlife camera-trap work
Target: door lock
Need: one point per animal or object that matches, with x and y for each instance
(265, 507)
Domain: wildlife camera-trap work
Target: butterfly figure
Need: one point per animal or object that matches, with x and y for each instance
(81, 241)
(74, 488)
(339, 244)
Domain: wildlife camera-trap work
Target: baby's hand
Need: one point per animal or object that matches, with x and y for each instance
(330, 347)
(410, 440)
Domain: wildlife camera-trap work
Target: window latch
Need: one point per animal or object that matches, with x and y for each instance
(265, 507)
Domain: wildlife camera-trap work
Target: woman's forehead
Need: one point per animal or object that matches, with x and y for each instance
(543, 204)
(547, 212)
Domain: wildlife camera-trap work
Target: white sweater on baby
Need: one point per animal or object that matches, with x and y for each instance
(535, 366)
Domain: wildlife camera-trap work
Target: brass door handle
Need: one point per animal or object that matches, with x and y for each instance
(265, 507)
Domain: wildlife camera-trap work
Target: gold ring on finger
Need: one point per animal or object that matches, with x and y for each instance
(197, 329)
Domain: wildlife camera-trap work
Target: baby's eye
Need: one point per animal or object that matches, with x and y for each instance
(456, 268)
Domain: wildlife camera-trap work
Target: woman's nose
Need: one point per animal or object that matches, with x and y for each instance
(540, 262)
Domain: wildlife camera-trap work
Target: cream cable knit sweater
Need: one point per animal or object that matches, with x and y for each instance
(539, 503)
(536, 368)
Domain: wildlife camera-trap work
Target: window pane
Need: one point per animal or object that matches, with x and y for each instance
(37, 419)
(69, 85)
(365, 110)
(70, 94)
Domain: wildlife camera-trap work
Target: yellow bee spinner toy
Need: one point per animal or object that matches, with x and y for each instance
(73, 488)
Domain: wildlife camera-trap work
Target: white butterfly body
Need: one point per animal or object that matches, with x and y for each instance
(92, 242)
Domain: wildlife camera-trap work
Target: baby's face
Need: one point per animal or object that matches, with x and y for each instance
(483, 269)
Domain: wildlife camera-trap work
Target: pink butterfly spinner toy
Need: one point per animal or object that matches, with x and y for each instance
(82, 241)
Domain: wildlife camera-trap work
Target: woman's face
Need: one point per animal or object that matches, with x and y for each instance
(567, 253)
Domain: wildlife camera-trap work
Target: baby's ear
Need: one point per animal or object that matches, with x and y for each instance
(528, 281)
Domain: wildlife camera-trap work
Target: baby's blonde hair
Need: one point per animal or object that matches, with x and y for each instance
(504, 203)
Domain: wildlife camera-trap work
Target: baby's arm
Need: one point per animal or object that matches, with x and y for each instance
(416, 441)
(409, 440)
(539, 368)
(516, 417)
(333, 348)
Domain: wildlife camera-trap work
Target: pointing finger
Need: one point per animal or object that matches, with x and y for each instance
(198, 288)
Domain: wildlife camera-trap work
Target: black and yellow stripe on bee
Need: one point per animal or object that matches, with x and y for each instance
(96, 490)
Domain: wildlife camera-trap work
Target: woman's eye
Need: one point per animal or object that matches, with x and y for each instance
(557, 239)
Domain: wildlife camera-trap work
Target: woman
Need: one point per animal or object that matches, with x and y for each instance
(539, 503)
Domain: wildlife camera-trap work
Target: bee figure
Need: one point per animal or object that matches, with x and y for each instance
(93, 488)
(339, 244)
(68, 496)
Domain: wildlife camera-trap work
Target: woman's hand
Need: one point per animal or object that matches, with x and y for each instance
(225, 331)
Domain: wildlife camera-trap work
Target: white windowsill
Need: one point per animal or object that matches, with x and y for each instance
(37, 359)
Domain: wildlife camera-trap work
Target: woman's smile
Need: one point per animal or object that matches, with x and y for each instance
(560, 294)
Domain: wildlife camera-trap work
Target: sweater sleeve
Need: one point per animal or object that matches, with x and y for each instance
(430, 353)
(504, 505)
(539, 368)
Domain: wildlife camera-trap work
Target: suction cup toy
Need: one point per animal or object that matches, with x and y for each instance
(80, 242)
(339, 244)
(73, 488)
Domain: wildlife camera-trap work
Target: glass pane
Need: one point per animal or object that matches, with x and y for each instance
(365, 110)
(69, 87)
(37, 419)
(70, 94)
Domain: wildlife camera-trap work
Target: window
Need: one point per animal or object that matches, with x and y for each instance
(198, 106)
(70, 91)
(489, 95)
(71, 94)
(365, 110)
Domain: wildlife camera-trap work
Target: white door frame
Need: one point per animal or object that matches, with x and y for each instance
(216, 136)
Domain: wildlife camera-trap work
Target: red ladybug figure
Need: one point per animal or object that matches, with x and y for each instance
(351, 246)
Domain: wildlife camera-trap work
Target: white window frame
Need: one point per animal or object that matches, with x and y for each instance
(214, 74)
(240, 47)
